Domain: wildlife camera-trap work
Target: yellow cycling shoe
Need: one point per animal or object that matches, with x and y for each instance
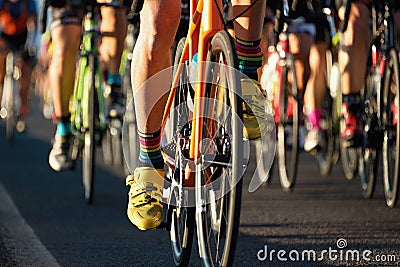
(254, 109)
(145, 209)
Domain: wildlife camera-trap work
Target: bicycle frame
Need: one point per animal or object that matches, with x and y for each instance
(80, 99)
(198, 41)
(384, 39)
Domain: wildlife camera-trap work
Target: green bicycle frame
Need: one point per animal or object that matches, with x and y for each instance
(79, 103)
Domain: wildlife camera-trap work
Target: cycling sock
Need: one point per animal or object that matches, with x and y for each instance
(63, 126)
(150, 151)
(250, 57)
(114, 79)
(314, 117)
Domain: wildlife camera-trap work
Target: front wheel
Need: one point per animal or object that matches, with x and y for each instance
(288, 127)
(88, 153)
(220, 168)
(326, 153)
(391, 135)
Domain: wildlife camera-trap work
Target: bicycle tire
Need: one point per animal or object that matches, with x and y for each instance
(116, 142)
(391, 134)
(325, 154)
(183, 215)
(130, 140)
(88, 153)
(349, 156)
(288, 138)
(218, 221)
(9, 84)
(369, 152)
(107, 148)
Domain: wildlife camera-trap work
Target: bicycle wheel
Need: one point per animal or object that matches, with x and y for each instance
(391, 135)
(288, 127)
(116, 142)
(88, 153)
(176, 132)
(107, 148)
(9, 89)
(325, 154)
(349, 156)
(369, 152)
(220, 168)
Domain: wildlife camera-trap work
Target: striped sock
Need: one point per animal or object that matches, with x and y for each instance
(250, 57)
(150, 151)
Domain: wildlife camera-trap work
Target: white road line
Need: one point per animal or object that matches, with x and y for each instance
(19, 237)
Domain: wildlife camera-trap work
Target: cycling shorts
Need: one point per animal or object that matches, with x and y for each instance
(16, 40)
(64, 16)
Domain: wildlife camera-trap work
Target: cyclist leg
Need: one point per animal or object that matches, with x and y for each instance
(353, 62)
(316, 83)
(158, 24)
(248, 29)
(23, 63)
(113, 29)
(3, 55)
(66, 33)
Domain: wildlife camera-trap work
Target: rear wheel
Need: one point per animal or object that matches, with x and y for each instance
(175, 137)
(325, 154)
(369, 152)
(107, 147)
(288, 127)
(220, 168)
(349, 156)
(391, 135)
(10, 85)
(88, 153)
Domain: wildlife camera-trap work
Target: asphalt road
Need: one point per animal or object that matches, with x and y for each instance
(324, 215)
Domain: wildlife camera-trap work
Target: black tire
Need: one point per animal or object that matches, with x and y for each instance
(10, 83)
(219, 201)
(183, 214)
(391, 135)
(349, 156)
(369, 151)
(107, 147)
(336, 115)
(368, 167)
(10, 119)
(325, 154)
(288, 128)
(88, 152)
(116, 142)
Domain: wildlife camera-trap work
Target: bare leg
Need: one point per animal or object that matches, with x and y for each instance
(159, 22)
(113, 29)
(355, 47)
(249, 26)
(316, 85)
(66, 40)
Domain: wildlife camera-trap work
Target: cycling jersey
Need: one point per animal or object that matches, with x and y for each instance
(14, 15)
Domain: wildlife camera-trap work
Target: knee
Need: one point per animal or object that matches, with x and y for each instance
(158, 29)
(358, 26)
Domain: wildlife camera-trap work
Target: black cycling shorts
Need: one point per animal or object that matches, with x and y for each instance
(63, 16)
(17, 41)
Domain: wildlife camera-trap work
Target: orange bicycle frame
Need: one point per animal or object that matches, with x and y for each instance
(205, 21)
